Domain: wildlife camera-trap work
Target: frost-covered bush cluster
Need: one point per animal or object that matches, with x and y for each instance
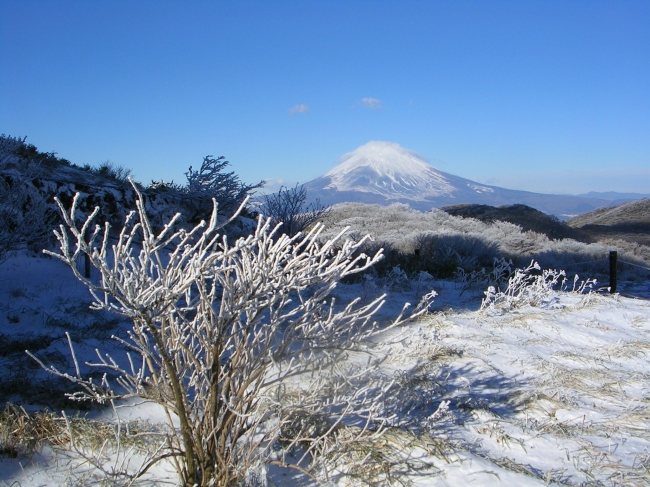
(30, 179)
(499, 275)
(445, 243)
(9, 145)
(20, 153)
(207, 184)
(25, 218)
(116, 172)
(396, 280)
(237, 342)
(211, 181)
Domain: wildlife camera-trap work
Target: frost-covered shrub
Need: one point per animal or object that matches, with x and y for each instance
(18, 151)
(116, 172)
(224, 331)
(433, 242)
(394, 280)
(9, 146)
(211, 182)
(525, 287)
(443, 253)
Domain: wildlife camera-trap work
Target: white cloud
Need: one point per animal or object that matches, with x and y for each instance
(371, 103)
(302, 108)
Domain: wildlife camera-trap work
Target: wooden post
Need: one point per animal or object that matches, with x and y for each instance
(613, 255)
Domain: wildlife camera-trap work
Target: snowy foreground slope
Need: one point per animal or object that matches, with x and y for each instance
(557, 394)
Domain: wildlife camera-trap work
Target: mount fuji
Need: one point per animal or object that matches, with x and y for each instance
(385, 172)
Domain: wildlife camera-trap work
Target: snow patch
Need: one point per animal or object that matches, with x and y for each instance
(480, 189)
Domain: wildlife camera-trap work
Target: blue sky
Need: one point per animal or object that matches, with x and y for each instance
(544, 96)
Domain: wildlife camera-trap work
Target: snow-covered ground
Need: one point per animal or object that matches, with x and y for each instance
(552, 395)
(557, 395)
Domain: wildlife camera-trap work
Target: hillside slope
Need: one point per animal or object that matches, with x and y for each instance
(529, 219)
(629, 221)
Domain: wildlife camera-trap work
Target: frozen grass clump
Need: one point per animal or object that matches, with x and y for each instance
(532, 286)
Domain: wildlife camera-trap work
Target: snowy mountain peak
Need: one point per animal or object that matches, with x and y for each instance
(389, 170)
(383, 157)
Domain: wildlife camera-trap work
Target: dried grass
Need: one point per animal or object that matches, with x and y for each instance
(23, 433)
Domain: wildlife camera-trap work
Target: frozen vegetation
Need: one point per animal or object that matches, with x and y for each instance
(269, 360)
(550, 391)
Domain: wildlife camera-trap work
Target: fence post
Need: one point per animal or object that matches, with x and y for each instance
(613, 255)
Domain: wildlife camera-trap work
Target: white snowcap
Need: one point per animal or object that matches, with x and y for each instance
(388, 169)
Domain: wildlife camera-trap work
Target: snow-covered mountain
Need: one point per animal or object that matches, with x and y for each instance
(385, 172)
(389, 170)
